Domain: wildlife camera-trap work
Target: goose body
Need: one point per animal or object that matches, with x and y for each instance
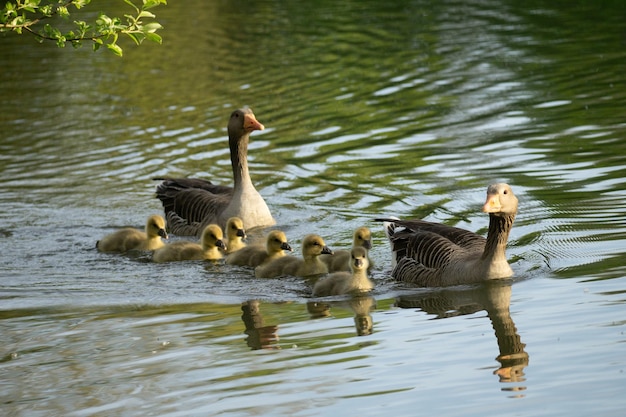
(129, 238)
(340, 259)
(190, 204)
(235, 235)
(210, 249)
(437, 255)
(355, 281)
(254, 255)
(310, 264)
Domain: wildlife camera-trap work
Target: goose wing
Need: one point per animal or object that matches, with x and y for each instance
(460, 237)
(191, 203)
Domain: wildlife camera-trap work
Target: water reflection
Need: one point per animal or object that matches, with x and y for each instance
(361, 306)
(495, 299)
(260, 336)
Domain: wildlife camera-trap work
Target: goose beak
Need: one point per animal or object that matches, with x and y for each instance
(250, 123)
(241, 233)
(358, 262)
(492, 205)
(326, 250)
(286, 246)
(162, 233)
(220, 244)
(367, 244)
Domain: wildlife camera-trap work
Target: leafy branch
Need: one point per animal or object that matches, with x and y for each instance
(32, 16)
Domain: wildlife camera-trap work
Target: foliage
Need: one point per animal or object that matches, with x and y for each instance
(41, 18)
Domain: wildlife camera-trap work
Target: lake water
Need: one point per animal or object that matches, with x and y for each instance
(371, 109)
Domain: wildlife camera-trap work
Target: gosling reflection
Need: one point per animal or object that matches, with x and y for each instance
(260, 336)
(362, 307)
(495, 299)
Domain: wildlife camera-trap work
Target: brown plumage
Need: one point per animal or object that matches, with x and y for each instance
(340, 260)
(129, 238)
(254, 255)
(309, 265)
(355, 281)
(210, 249)
(436, 255)
(191, 203)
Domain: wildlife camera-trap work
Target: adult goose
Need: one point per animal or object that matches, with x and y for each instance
(211, 247)
(129, 238)
(340, 260)
(190, 204)
(309, 265)
(254, 255)
(355, 281)
(437, 255)
(235, 235)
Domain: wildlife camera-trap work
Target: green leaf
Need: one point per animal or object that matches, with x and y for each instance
(154, 38)
(130, 3)
(79, 4)
(115, 49)
(146, 14)
(148, 4)
(151, 27)
(136, 37)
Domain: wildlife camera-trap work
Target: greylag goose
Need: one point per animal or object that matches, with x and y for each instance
(312, 247)
(254, 255)
(340, 260)
(355, 281)
(437, 255)
(190, 204)
(212, 242)
(235, 234)
(129, 238)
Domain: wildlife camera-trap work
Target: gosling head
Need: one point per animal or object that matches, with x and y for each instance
(212, 237)
(313, 245)
(155, 226)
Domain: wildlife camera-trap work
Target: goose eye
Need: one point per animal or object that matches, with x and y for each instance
(505, 192)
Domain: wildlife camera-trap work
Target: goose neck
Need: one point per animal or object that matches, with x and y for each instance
(239, 158)
(497, 236)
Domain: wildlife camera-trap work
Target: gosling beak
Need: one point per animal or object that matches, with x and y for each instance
(241, 233)
(220, 244)
(250, 123)
(286, 246)
(358, 262)
(162, 233)
(367, 244)
(326, 250)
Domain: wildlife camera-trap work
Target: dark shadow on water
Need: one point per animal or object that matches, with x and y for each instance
(260, 336)
(495, 299)
(361, 305)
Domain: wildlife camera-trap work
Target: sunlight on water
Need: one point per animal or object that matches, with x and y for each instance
(371, 110)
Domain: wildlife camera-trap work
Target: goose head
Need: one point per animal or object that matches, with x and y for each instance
(242, 122)
(212, 237)
(363, 238)
(313, 245)
(155, 226)
(358, 259)
(500, 200)
(277, 242)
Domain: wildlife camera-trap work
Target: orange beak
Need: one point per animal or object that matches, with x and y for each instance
(492, 205)
(250, 123)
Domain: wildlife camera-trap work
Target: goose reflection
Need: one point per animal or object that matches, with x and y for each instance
(260, 336)
(361, 305)
(495, 299)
